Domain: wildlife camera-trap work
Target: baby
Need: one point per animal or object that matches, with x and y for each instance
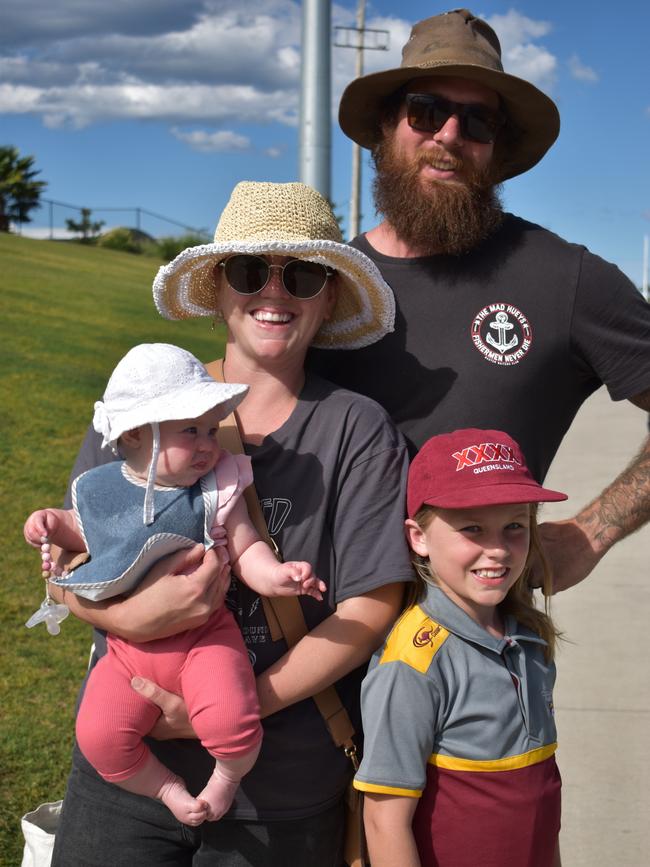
(175, 488)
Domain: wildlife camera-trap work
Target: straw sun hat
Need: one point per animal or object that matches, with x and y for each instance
(285, 220)
(459, 45)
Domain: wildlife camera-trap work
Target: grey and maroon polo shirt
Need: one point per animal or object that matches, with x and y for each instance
(464, 722)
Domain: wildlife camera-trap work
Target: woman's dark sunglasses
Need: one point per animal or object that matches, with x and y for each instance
(248, 275)
(427, 112)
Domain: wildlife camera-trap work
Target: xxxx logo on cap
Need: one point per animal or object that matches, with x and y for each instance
(485, 452)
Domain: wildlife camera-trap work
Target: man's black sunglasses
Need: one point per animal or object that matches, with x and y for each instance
(248, 274)
(428, 112)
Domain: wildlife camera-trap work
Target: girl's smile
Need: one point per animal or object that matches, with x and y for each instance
(476, 554)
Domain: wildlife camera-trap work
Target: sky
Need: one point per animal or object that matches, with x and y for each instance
(164, 105)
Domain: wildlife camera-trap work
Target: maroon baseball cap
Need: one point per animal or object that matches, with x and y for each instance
(472, 467)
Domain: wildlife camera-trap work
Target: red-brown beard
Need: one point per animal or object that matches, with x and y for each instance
(435, 216)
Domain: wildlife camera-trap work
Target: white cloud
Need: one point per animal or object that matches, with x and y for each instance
(19, 99)
(520, 54)
(580, 71)
(217, 61)
(34, 22)
(224, 141)
(83, 104)
(513, 28)
(211, 62)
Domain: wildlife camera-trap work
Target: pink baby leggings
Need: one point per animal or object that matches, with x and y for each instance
(208, 666)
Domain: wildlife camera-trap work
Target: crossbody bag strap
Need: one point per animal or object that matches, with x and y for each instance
(283, 614)
(230, 439)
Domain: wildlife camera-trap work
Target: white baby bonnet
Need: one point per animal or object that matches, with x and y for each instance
(157, 382)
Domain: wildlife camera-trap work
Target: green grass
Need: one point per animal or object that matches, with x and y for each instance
(68, 313)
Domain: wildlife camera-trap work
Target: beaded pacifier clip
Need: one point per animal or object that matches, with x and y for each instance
(50, 613)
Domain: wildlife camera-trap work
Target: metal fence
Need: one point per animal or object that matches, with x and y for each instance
(48, 220)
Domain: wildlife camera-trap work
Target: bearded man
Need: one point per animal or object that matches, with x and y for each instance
(500, 324)
(437, 194)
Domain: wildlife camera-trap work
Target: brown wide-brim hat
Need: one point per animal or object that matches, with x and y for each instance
(460, 45)
(283, 220)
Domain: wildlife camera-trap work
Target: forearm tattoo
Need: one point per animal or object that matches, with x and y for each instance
(623, 507)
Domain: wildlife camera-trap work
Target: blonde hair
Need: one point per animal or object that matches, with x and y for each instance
(520, 600)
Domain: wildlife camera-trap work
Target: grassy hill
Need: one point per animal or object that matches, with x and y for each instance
(68, 313)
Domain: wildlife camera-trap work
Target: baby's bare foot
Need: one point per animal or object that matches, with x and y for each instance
(218, 796)
(188, 810)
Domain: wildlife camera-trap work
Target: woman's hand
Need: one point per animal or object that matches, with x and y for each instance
(173, 721)
(180, 592)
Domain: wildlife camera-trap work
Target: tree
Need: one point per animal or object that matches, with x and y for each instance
(19, 192)
(87, 228)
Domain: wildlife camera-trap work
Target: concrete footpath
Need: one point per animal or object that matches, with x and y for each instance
(602, 696)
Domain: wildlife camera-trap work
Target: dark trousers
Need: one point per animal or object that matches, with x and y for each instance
(104, 826)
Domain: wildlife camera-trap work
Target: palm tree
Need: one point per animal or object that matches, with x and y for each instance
(19, 192)
(87, 228)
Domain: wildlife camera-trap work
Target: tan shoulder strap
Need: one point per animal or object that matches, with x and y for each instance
(230, 439)
(283, 613)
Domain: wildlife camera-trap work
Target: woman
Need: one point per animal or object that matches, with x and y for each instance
(330, 471)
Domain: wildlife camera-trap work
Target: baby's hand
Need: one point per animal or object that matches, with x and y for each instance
(295, 577)
(42, 523)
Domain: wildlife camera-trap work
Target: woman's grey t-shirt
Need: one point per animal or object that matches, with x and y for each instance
(331, 482)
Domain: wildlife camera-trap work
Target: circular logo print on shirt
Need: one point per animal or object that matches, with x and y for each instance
(502, 334)
(425, 634)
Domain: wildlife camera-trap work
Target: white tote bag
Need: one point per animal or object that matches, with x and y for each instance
(39, 827)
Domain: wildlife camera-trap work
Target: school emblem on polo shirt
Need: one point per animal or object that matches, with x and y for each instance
(426, 634)
(502, 334)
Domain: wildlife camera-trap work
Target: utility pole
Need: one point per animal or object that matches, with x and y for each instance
(355, 191)
(315, 96)
(376, 42)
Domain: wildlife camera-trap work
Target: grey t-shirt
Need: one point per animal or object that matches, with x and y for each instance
(331, 482)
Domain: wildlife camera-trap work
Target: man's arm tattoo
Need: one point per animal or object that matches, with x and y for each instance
(623, 507)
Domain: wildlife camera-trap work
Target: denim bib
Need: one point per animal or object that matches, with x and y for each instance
(122, 548)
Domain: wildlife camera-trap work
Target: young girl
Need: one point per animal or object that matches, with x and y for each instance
(175, 488)
(458, 766)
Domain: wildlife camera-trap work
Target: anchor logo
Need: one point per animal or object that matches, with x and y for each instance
(502, 334)
(502, 325)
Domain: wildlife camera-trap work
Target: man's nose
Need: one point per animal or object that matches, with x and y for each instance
(450, 132)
